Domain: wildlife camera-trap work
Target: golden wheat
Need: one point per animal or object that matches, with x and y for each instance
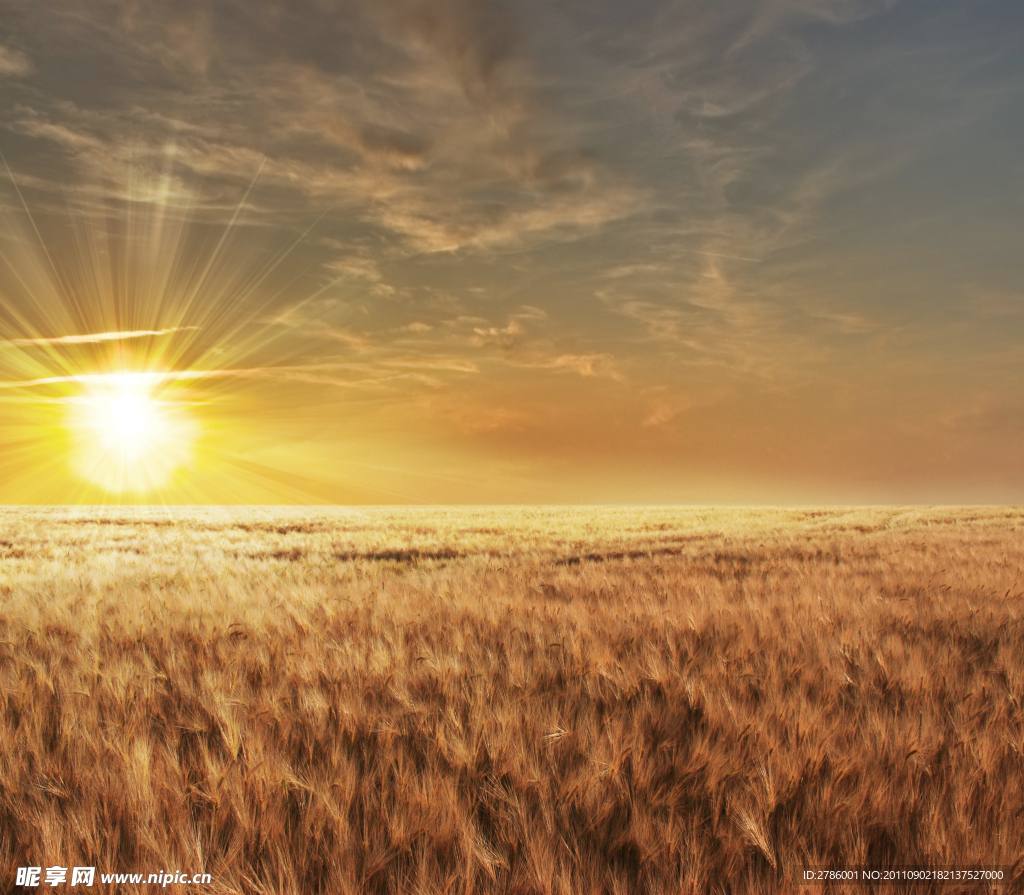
(526, 700)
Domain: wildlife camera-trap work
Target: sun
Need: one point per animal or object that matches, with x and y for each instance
(129, 437)
(127, 421)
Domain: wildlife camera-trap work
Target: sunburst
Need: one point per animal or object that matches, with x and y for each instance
(134, 322)
(127, 437)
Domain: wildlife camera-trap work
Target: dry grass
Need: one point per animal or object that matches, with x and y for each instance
(508, 700)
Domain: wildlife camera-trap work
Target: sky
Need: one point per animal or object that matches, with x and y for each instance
(478, 251)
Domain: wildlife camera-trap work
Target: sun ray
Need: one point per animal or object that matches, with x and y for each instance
(118, 349)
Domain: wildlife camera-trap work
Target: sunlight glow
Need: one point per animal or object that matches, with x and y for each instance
(127, 437)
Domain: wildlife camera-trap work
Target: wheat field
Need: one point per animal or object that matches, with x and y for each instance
(511, 700)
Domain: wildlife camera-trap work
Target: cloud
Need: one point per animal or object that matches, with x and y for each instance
(91, 338)
(848, 322)
(583, 364)
(427, 362)
(151, 379)
(475, 38)
(13, 63)
(417, 118)
(344, 335)
(360, 268)
(154, 379)
(771, 15)
(311, 319)
(504, 337)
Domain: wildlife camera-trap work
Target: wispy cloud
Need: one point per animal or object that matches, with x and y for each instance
(90, 338)
(425, 126)
(155, 379)
(146, 379)
(13, 63)
(426, 362)
(587, 365)
(505, 337)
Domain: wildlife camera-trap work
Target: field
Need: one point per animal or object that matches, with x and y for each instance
(521, 700)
